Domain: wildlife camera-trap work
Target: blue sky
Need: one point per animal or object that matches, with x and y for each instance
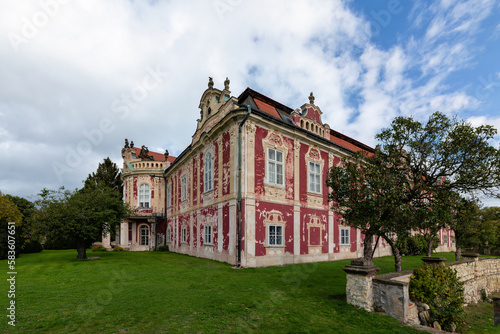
(78, 77)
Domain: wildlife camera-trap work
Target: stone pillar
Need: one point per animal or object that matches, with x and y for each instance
(106, 240)
(359, 287)
(496, 309)
(433, 260)
(124, 234)
(470, 256)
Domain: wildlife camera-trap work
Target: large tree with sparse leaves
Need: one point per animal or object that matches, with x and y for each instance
(414, 169)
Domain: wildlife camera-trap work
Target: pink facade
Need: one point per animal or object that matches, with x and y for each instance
(277, 213)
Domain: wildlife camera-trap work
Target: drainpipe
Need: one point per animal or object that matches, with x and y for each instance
(166, 203)
(249, 110)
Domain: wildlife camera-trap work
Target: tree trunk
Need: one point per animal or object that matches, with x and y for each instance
(458, 253)
(367, 249)
(429, 245)
(395, 252)
(82, 251)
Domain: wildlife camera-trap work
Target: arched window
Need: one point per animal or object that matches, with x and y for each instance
(208, 172)
(144, 196)
(144, 235)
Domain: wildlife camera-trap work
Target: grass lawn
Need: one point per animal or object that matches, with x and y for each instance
(156, 292)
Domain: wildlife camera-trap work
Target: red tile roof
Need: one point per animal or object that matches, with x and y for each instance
(157, 156)
(267, 108)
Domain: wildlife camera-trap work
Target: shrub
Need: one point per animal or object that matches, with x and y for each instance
(439, 287)
(98, 248)
(117, 249)
(415, 244)
(32, 246)
(162, 248)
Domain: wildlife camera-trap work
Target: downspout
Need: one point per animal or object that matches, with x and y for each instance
(249, 110)
(166, 203)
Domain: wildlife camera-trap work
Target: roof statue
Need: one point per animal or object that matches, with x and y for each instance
(311, 98)
(210, 83)
(226, 83)
(144, 154)
(131, 144)
(126, 143)
(166, 155)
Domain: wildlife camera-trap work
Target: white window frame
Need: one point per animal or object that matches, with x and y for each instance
(207, 232)
(344, 237)
(273, 165)
(144, 238)
(314, 177)
(169, 196)
(169, 235)
(183, 188)
(272, 236)
(144, 198)
(184, 234)
(208, 172)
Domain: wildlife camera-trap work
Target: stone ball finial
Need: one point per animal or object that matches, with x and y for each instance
(226, 83)
(210, 83)
(311, 98)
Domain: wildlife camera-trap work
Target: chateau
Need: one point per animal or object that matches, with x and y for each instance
(249, 189)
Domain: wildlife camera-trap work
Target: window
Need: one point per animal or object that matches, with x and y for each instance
(184, 234)
(275, 235)
(208, 234)
(144, 235)
(314, 177)
(169, 235)
(274, 166)
(344, 236)
(445, 239)
(183, 188)
(169, 196)
(144, 195)
(208, 172)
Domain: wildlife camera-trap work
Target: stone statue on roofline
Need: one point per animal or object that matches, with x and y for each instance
(144, 154)
(126, 143)
(210, 83)
(311, 98)
(166, 155)
(226, 83)
(131, 144)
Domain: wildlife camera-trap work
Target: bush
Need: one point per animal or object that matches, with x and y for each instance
(117, 249)
(98, 248)
(162, 248)
(32, 246)
(415, 244)
(439, 287)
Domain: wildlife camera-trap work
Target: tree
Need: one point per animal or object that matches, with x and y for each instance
(464, 223)
(80, 217)
(407, 182)
(9, 213)
(108, 175)
(26, 230)
(442, 156)
(367, 190)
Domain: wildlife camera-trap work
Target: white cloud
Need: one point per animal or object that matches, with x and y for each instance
(62, 83)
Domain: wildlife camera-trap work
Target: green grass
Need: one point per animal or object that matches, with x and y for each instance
(161, 292)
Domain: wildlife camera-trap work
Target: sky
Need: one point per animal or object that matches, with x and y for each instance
(77, 77)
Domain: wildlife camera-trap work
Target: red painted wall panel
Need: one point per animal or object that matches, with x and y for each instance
(289, 168)
(353, 236)
(226, 162)
(305, 217)
(260, 163)
(215, 169)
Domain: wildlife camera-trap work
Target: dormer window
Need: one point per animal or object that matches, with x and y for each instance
(217, 99)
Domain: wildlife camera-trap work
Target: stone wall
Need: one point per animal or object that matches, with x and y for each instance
(389, 293)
